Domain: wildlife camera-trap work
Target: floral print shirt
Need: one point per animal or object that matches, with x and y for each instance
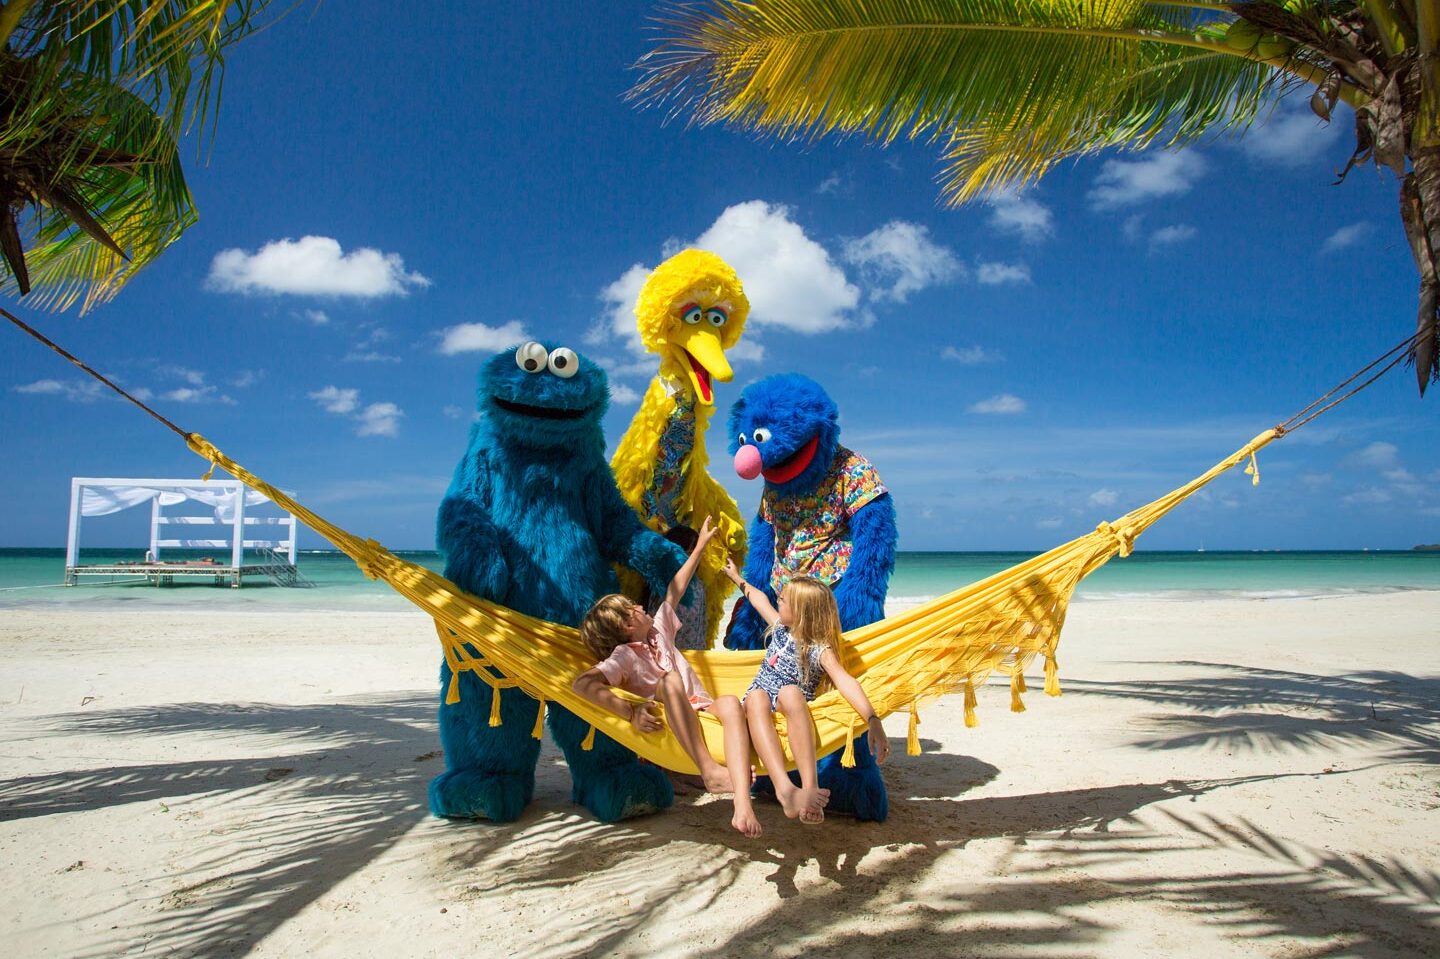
(672, 449)
(812, 531)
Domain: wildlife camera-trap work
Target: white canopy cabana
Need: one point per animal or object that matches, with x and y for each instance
(228, 499)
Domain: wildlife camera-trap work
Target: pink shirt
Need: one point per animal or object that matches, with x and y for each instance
(638, 667)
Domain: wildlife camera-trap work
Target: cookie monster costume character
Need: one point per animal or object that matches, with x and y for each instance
(533, 521)
(823, 513)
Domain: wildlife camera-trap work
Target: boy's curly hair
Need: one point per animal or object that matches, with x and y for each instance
(604, 625)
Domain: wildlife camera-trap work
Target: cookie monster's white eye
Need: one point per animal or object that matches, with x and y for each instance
(716, 316)
(530, 357)
(762, 435)
(564, 363)
(692, 314)
(742, 439)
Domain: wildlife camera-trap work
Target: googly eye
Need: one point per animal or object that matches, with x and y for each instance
(742, 439)
(531, 357)
(716, 316)
(564, 363)
(762, 435)
(692, 314)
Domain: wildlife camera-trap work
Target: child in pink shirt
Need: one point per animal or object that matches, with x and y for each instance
(638, 654)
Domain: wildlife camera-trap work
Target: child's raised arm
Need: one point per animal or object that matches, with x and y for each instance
(681, 582)
(848, 687)
(755, 597)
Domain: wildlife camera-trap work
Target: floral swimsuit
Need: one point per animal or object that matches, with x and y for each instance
(782, 667)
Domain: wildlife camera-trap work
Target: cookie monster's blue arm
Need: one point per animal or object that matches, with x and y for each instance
(625, 540)
(748, 629)
(860, 594)
(468, 538)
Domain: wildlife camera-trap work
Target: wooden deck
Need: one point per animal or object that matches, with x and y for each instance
(166, 574)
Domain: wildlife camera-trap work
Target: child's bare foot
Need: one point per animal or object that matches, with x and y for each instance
(718, 781)
(813, 801)
(812, 817)
(746, 824)
(792, 802)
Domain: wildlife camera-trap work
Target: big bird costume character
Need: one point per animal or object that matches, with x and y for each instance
(690, 311)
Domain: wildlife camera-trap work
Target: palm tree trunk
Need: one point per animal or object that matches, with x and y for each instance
(1420, 212)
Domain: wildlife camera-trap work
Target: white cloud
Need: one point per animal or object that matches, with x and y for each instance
(1014, 213)
(1104, 497)
(451, 411)
(333, 399)
(312, 266)
(247, 378)
(379, 419)
(318, 317)
(200, 394)
(83, 391)
(899, 258)
(1291, 136)
(1171, 235)
(470, 337)
(1377, 455)
(193, 377)
(619, 299)
(1050, 522)
(370, 356)
(831, 184)
(1369, 496)
(1344, 237)
(994, 274)
(790, 279)
(748, 350)
(623, 395)
(970, 355)
(1128, 182)
(1003, 403)
(1133, 227)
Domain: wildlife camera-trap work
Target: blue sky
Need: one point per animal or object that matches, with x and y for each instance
(389, 199)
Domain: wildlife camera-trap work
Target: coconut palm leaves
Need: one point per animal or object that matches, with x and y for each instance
(1008, 88)
(93, 96)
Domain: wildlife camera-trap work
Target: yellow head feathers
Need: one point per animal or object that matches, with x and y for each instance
(689, 275)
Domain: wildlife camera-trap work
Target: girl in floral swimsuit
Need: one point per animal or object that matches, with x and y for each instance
(802, 648)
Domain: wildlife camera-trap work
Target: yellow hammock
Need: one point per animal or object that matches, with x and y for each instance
(953, 642)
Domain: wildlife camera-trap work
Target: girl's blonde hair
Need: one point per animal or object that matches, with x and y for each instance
(815, 621)
(606, 625)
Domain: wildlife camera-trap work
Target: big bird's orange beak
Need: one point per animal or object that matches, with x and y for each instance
(703, 357)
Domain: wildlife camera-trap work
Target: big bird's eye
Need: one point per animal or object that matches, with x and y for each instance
(531, 357)
(742, 439)
(716, 316)
(692, 314)
(762, 435)
(564, 363)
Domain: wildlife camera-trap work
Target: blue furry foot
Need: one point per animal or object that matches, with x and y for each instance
(475, 794)
(624, 791)
(858, 791)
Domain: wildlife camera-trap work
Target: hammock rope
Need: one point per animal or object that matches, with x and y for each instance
(955, 642)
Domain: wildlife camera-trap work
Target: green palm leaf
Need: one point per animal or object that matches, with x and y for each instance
(1009, 87)
(94, 95)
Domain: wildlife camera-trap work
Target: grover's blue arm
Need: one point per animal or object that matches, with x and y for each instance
(468, 538)
(748, 629)
(860, 594)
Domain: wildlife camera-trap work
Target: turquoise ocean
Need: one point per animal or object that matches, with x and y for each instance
(33, 578)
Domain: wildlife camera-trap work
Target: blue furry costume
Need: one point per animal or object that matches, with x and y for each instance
(532, 520)
(793, 425)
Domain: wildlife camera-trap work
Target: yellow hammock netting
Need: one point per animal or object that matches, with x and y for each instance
(951, 643)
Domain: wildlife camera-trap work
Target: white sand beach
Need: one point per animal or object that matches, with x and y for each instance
(1220, 778)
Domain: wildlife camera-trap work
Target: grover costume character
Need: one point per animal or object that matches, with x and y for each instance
(532, 520)
(824, 513)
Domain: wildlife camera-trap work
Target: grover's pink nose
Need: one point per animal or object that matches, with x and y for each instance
(747, 462)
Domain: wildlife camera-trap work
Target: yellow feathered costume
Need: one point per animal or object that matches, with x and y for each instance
(690, 311)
